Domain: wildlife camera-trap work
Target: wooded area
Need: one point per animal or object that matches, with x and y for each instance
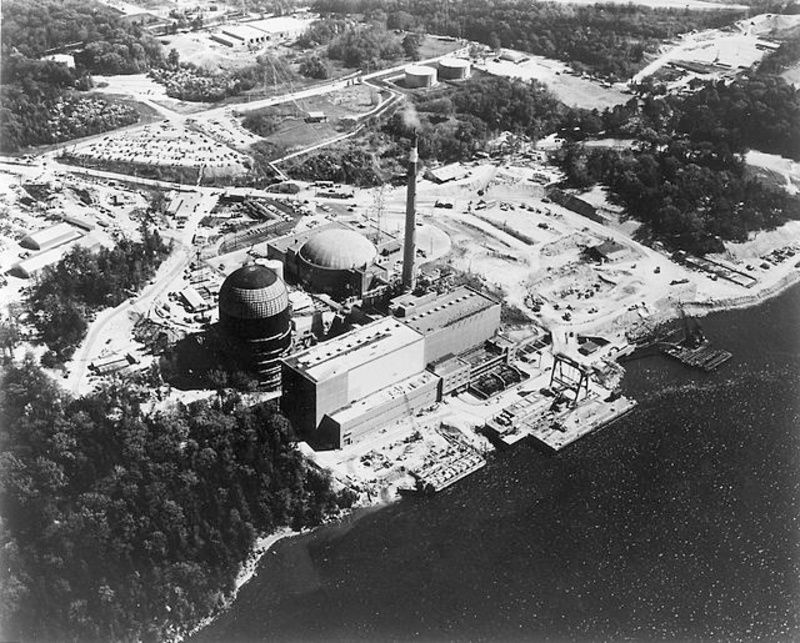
(606, 40)
(123, 525)
(39, 105)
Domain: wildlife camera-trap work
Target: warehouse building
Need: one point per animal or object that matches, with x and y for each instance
(447, 173)
(52, 237)
(245, 35)
(515, 57)
(28, 268)
(281, 27)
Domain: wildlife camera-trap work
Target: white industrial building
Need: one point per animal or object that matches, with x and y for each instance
(281, 27)
(51, 237)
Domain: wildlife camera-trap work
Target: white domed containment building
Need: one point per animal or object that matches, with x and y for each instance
(418, 76)
(454, 69)
(254, 314)
(333, 261)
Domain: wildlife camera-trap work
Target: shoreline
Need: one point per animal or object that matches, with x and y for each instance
(247, 570)
(702, 308)
(264, 544)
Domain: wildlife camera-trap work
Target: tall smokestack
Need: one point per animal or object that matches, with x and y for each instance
(409, 246)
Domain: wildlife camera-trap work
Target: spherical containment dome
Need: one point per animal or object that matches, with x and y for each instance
(253, 292)
(338, 249)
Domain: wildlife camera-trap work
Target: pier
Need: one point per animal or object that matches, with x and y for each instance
(704, 357)
(536, 417)
(441, 475)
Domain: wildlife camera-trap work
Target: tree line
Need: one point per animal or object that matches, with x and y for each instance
(111, 46)
(786, 56)
(454, 123)
(123, 524)
(685, 178)
(603, 39)
(757, 111)
(689, 196)
(39, 100)
(65, 295)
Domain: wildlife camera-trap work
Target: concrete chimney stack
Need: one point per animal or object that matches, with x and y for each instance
(409, 245)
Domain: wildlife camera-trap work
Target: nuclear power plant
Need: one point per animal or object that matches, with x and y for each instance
(388, 352)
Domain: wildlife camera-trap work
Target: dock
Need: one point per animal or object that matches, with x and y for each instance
(441, 475)
(534, 417)
(588, 417)
(704, 357)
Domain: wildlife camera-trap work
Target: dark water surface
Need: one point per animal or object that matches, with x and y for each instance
(679, 522)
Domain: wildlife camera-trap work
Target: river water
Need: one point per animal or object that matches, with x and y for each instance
(678, 522)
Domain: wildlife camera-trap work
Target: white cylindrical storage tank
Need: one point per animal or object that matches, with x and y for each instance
(420, 76)
(275, 266)
(453, 69)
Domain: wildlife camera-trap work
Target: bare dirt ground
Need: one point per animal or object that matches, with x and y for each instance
(571, 90)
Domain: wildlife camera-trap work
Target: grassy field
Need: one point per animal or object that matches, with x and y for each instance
(433, 46)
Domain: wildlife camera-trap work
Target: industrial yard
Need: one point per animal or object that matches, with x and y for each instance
(408, 329)
(583, 284)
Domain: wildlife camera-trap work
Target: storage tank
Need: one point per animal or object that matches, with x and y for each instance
(420, 76)
(275, 266)
(454, 69)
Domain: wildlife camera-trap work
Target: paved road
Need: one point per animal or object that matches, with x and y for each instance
(80, 364)
(167, 274)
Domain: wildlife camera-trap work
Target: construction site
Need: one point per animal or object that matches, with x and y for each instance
(408, 329)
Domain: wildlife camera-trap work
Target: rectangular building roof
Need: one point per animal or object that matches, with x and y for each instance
(30, 266)
(295, 240)
(280, 25)
(452, 172)
(448, 308)
(353, 349)
(193, 297)
(448, 364)
(243, 32)
(403, 388)
(55, 235)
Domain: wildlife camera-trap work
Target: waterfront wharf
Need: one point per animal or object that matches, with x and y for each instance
(704, 356)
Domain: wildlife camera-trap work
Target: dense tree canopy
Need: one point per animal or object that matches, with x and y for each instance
(605, 39)
(123, 525)
(365, 46)
(760, 111)
(111, 45)
(787, 55)
(690, 196)
(38, 104)
(455, 123)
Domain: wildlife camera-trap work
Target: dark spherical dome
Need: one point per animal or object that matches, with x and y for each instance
(253, 292)
(338, 249)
